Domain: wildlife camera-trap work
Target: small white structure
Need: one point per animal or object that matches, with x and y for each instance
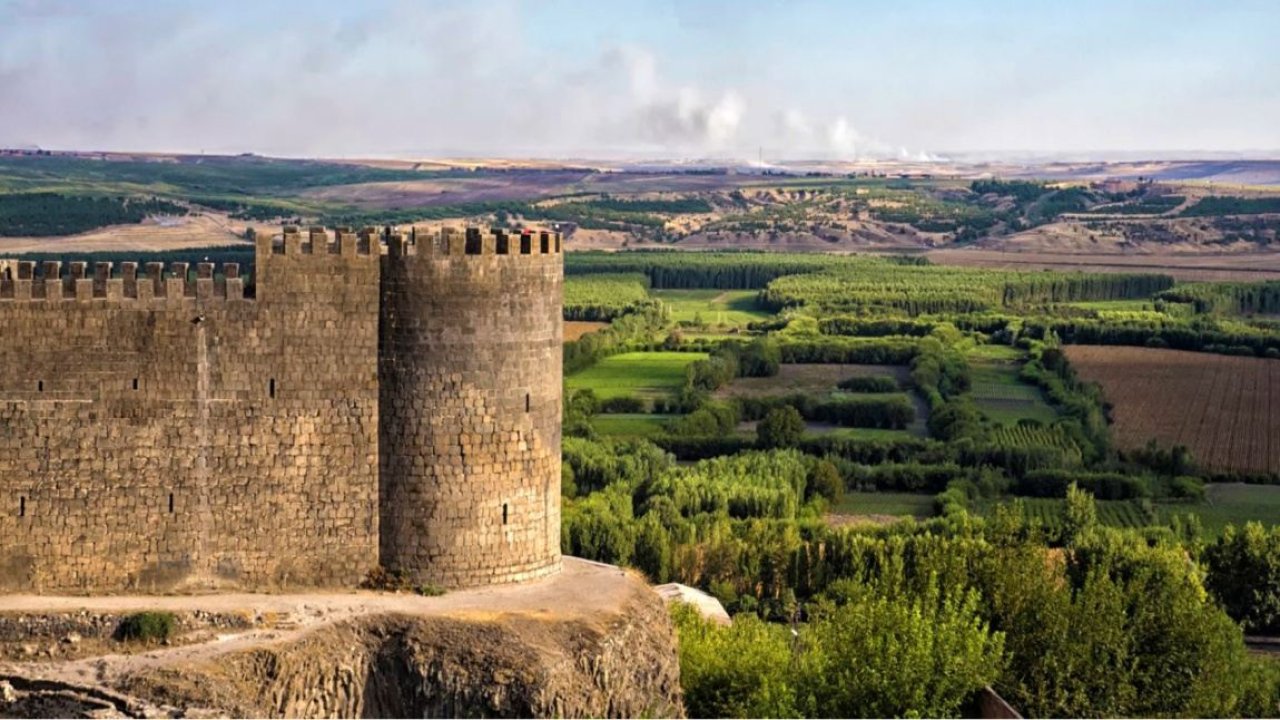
(709, 607)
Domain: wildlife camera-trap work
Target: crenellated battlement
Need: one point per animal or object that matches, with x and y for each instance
(451, 242)
(316, 241)
(52, 280)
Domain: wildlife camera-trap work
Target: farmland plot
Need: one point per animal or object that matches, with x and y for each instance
(645, 375)
(808, 378)
(1225, 409)
(1001, 396)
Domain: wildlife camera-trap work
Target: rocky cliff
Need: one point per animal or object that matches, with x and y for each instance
(465, 659)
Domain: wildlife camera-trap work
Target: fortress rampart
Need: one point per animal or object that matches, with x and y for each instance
(371, 398)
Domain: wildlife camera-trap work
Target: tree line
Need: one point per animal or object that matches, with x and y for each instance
(45, 214)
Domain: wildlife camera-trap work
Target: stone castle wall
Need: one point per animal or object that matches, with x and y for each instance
(470, 377)
(164, 434)
(364, 405)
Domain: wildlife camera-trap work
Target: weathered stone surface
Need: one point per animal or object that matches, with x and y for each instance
(470, 379)
(160, 432)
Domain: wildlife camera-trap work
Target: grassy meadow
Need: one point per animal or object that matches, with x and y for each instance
(645, 375)
(1003, 397)
(713, 308)
(917, 505)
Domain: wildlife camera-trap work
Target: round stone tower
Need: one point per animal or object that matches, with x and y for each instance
(470, 392)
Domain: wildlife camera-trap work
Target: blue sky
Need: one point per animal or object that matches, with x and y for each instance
(660, 79)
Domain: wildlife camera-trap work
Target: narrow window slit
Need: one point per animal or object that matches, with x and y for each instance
(171, 503)
(271, 388)
(526, 402)
(135, 383)
(40, 386)
(22, 506)
(504, 513)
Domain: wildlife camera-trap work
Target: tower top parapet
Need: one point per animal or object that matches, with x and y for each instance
(452, 242)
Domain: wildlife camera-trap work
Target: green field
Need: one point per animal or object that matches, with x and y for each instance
(1231, 503)
(1004, 398)
(885, 503)
(866, 433)
(1004, 353)
(630, 425)
(1126, 305)
(715, 308)
(638, 374)
(1227, 503)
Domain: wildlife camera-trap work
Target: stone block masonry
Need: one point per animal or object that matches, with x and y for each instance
(470, 379)
(376, 399)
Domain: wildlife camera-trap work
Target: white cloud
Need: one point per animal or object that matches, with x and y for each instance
(417, 79)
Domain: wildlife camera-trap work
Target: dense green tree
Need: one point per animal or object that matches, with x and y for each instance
(1244, 574)
(1081, 515)
(760, 358)
(600, 527)
(653, 549)
(825, 481)
(781, 428)
(745, 671)
(879, 656)
(871, 656)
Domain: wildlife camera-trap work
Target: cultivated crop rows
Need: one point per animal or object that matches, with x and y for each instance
(1225, 409)
(1022, 436)
(605, 296)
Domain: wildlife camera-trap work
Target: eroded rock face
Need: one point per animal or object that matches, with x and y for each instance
(509, 665)
(23, 698)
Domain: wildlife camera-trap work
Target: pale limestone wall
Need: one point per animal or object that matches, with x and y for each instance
(470, 394)
(142, 446)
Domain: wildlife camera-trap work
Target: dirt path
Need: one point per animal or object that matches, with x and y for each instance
(581, 590)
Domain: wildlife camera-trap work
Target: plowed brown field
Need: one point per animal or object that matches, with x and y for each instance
(1225, 409)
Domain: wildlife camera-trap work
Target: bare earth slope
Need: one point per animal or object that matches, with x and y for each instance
(193, 231)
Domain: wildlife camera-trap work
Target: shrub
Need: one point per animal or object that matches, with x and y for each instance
(148, 626)
(429, 590)
(1104, 485)
(895, 411)
(701, 448)
(1187, 487)
(869, 384)
(761, 358)
(712, 419)
(824, 480)
(781, 428)
(622, 404)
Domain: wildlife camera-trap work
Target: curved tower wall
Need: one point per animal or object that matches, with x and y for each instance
(470, 402)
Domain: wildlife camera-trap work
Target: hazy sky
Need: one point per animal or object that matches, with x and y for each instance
(672, 79)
